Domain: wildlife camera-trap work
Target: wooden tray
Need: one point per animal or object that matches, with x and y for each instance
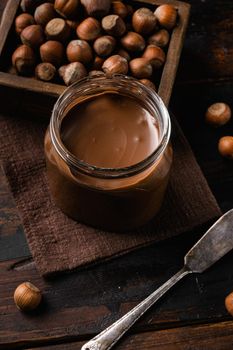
(8, 45)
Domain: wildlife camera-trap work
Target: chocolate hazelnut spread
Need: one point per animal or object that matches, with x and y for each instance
(110, 131)
(109, 164)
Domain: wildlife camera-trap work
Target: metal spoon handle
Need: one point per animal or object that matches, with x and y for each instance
(107, 338)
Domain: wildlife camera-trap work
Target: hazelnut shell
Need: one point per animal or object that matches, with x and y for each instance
(115, 65)
(89, 29)
(166, 15)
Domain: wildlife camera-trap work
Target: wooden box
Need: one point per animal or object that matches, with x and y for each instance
(8, 42)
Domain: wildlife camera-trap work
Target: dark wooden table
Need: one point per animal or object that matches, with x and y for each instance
(78, 305)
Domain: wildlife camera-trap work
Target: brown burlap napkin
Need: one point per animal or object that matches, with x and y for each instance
(58, 243)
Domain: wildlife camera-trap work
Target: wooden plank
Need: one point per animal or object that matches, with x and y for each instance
(208, 47)
(217, 336)
(6, 21)
(169, 70)
(13, 243)
(82, 303)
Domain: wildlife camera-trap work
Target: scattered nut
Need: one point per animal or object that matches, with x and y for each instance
(133, 42)
(113, 25)
(229, 303)
(24, 60)
(140, 68)
(72, 72)
(218, 114)
(104, 45)
(57, 29)
(225, 146)
(27, 297)
(96, 8)
(161, 38)
(22, 21)
(89, 29)
(166, 16)
(66, 8)
(97, 63)
(79, 50)
(32, 36)
(155, 55)
(144, 21)
(115, 65)
(119, 8)
(148, 83)
(45, 71)
(52, 52)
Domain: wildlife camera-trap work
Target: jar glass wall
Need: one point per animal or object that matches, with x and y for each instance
(108, 198)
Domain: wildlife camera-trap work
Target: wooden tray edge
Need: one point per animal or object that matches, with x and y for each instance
(51, 89)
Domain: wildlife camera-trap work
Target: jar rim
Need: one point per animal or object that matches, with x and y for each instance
(87, 87)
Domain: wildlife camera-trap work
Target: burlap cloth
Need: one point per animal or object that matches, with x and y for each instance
(58, 243)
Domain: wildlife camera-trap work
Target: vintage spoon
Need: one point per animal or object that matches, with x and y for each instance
(213, 245)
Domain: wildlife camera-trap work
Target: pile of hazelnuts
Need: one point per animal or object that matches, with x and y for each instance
(69, 39)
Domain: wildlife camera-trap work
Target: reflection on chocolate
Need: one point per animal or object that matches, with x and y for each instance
(110, 131)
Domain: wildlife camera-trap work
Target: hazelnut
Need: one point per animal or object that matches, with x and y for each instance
(113, 25)
(66, 8)
(229, 303)
(89, 29)
(124, 54)
(144, 21)
(32, 36)
(27, 297)
(115, 65)
(52, 52)
(24, 60)
(22, 21)
(148, 83)
(97, 63)
(140, 68)
(79, 50)
(44, 13)
(161, 38)
(95, 73)
(119, 8)
(72, 72)
(166, 16)
(104, 45)
(155, 55)
(218, 114)
(225, 146)
(29, 5)
(45, 71)
(57, 29)
(96, 8)
(133, 42)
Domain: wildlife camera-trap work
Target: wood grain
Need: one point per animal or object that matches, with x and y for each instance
(12, 238)
(77, 306)
(80, 304)
(183, 338)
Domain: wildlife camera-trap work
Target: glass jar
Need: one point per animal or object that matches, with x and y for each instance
(108, 198)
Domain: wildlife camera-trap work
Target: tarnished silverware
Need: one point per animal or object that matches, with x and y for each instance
(213, 245)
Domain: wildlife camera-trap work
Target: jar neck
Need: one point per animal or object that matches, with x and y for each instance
(127, 86)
